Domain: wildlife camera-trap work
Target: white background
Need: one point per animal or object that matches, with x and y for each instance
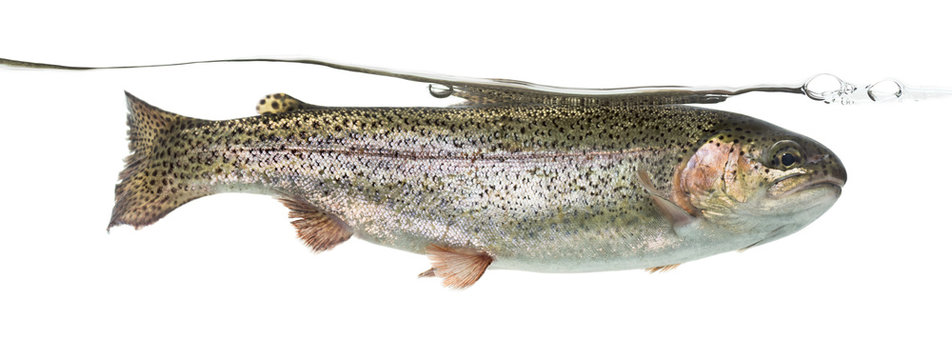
(225, 276)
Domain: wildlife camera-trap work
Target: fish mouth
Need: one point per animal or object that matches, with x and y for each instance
(831, 182)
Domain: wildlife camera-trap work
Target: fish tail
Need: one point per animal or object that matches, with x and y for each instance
(155, 180)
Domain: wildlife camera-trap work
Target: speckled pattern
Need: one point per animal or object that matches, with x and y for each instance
(537, 187)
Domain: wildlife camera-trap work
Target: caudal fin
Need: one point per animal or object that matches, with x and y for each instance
(154, 181)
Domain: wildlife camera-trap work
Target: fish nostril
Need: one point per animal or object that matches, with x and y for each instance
(818, 158)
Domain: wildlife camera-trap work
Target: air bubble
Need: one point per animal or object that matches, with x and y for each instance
(440, 91)
(829, 89)
(885, 90)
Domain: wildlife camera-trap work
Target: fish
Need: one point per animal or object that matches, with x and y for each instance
(517, 176)
(506, 184)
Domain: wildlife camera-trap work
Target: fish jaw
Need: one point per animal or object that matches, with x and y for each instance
(812, 200)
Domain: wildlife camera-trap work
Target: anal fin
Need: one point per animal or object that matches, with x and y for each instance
(319, 229)
(458, 267)
(281, 103)
(662, 268)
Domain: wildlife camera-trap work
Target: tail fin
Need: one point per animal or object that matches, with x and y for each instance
(154, 181)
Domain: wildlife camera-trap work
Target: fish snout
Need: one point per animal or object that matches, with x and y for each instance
(839, 172)
(829, 165)
(836, 169)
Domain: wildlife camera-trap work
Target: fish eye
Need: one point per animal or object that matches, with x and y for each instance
(784, 155)
(788, 159)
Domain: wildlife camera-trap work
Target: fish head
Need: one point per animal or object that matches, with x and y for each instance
(758, 182)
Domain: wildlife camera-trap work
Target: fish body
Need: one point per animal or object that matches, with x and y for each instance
(539, 187)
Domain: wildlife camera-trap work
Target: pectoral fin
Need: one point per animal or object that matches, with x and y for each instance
(662, 268)
(429, 273)
(671, 211)
(281, 103)
(319, 229)
(458, 267)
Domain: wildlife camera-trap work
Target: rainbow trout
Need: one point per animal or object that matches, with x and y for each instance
(520, 176)
(538, 182)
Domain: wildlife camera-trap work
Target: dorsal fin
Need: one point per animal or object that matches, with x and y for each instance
(459, 267)
(281, 103)
(319, 229)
